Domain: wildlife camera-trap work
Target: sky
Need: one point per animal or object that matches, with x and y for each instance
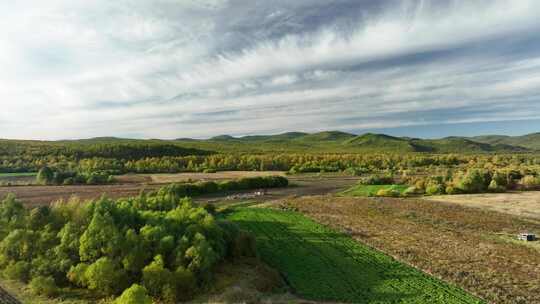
(199, 68)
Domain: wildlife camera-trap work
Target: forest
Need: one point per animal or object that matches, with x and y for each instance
(157, 245)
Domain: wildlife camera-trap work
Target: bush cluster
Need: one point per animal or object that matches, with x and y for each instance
(199, 188)
(477, 181)
(377, 180)
(47, 176)
(161, 246)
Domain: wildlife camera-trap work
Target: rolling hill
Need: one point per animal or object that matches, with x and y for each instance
(342, 142)
(290, 142)
(529, 141)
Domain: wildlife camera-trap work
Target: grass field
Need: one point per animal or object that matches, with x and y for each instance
(321, 264)
(22, 174)
(371, 190)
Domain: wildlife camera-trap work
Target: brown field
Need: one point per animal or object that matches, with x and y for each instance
(192, 176)
(131, 185)
(470, 247)
(42, 195)
(525, 204)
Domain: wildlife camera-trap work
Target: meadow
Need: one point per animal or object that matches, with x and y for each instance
(372, 190)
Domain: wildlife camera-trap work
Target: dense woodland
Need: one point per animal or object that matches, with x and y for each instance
(157, 246)
(293, 151)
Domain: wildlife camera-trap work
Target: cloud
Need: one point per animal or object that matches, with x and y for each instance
(177, 68)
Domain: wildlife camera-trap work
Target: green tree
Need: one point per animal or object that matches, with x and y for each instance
(43, 286)
(155, 277)
(105, 276)
(45, 176)
(136, 294)
(101, 238)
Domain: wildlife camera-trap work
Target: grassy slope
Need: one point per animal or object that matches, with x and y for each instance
(321, 264)
(371, 190)
(20, 174)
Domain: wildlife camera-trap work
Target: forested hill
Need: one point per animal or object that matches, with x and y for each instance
(294, 142)
(100, 147)
(529, 141)
(341, 142)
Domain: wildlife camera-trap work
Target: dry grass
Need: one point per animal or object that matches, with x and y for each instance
(526, 204)
(458, 244)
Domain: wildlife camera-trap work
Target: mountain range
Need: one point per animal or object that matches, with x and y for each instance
(321, 142)
(337, 141)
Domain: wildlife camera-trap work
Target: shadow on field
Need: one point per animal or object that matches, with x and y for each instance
(323, 265)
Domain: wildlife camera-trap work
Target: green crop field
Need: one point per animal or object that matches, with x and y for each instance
(371, 190)
(321, 264)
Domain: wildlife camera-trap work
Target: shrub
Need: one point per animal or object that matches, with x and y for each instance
(45, 176)
(494, 187)
(136, 294)
(19, 271)
(186, 284)
(435, 189)
(388, 193)
(105, 276)
(69, 181)
(530, 182)
(474, 181)
(376, 180)
(451, 190)
(501, 178)
(44, 286)
(413, 190)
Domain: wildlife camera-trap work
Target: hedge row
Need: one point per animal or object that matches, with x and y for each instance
(248, 183)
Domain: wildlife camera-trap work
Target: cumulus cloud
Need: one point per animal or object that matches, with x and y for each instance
(177, 68)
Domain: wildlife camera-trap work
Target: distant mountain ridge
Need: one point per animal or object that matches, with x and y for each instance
(529, 141)
(319, 142)
(338, 141)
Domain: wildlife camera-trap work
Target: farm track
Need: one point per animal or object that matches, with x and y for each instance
(321, 264)
(6, 298)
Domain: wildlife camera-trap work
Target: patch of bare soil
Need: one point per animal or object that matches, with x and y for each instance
(43, 195)
(132, 185)
(525, 204)
(458, 244)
